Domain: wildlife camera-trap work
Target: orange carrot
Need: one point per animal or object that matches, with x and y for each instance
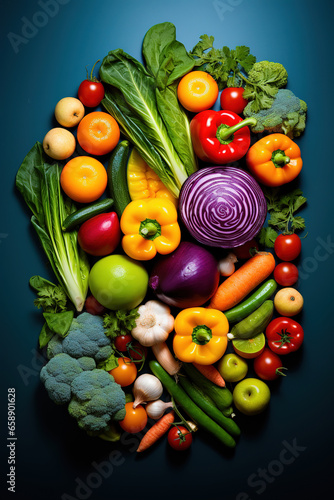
(156, 431)
(211, 373)
(243, 281)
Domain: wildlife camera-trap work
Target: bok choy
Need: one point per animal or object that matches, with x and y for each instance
(143, 100)
(39, 183)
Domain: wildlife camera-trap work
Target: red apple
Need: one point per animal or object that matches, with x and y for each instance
(100, 235)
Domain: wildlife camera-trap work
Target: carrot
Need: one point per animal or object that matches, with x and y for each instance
(156, 431)
(211, 373)
(243, 281)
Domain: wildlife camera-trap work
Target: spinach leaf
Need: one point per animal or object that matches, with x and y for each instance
(59, 323)
(45, 336)
(155, 41)
(28, 180)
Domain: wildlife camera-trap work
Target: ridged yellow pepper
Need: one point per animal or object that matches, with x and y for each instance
(143, 182)
(150, 227)
(200, 335)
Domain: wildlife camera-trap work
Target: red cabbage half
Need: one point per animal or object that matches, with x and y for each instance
(222, 206)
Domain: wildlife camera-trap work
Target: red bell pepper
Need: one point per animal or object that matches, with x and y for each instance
(220, 136)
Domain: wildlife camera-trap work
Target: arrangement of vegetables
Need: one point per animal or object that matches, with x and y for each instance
(170, 239)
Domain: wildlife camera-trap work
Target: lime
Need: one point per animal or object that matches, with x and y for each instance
(249, 348)
(118, 282)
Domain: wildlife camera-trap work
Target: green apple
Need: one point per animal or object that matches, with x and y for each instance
(118, 282)
(232, 367)
(251, 396)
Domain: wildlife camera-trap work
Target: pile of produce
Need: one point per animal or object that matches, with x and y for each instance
(170, 287)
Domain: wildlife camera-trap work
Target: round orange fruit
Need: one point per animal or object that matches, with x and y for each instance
(84, 179)
(98, 133)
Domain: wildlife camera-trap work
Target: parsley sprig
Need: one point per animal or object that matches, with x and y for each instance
(225, 64)
(282, 209)
(120, 322)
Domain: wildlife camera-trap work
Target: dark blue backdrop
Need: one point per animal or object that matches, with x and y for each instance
(285, 453)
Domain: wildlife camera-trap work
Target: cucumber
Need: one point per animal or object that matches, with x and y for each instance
(249, 305)
(86, 213)
(255, 323)
(221, 396)
(208, 406)
(117, 179)
(194, 412)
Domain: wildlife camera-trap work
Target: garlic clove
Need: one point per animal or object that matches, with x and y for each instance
(147, 387)
(155, 409)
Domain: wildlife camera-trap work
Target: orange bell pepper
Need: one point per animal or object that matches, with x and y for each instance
(200, 335)
(274, 160)
(150, 227)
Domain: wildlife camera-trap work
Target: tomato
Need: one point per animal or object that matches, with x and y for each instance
(94, 307)
(137, 351)
(286, 274)
(197, 91)
(121, 342)
(98, 133)
(135, 419)
(125, 373)
(268, 365)
(91, 93)
(179, 438)
(287, 246)
(242, 252)
(284, 335)
(232, 100)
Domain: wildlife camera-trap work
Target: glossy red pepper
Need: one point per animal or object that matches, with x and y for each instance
(220, 136)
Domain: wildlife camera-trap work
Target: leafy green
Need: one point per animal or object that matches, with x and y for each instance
(51, 298)
(225, 64)
(59, 323)
(120, 322)
(262, 84)
(144, 102)
(282, 207)
(39, 183)
(109, 364)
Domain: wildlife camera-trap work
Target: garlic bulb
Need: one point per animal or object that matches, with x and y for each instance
(146, 388)
(154, 323)
(226, 266)
(156, 409)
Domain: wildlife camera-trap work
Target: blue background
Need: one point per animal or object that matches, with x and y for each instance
(53, 456)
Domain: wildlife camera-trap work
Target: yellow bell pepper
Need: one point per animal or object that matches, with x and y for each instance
(200, 335)
(143, 182)
(150, 227)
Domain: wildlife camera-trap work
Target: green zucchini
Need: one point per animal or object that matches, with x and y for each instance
(208, 406)
(117, 181)
(194, 412)
(221, 396)
(249, 305)
(255, 323)
(86, 213)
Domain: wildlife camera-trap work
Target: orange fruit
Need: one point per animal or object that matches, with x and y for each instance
(197, 91)
(98, 133)
(84, 179)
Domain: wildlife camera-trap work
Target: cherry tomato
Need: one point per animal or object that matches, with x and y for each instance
(242, 252)
(135, 419)
(125, 373)
(287, 246)
(232, 100)
(268, 365)
(286, 274)
(284, 335)
(179, 438)
(91, 91)
(121, 342)
(94, 307)
(137, 351)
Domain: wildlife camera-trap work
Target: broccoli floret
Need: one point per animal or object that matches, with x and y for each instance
(97, 401)
(270, 72)
(58, 374)
(287, 115)
(85, 337)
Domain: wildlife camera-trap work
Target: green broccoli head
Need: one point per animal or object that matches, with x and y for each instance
(86, 337)
(58, 374)
(271, 72)
(287, 115)
(97, 400)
